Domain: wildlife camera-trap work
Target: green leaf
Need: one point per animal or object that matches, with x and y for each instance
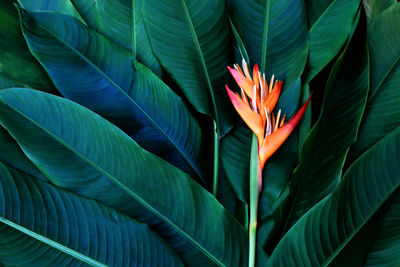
(375, 7)
(60, 6)
(325, 230)
(80, 151)
(382, 113)
(41, 225)
(12, 154)
(287, 35)
(191, 39)
(235, 158)
(17, 66)
(327, 144)
(331, 22)
(100, 76)
(113, 19)
(386, 246)
(240, 49)
(377, 243)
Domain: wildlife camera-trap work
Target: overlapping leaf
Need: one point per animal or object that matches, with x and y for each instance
(17, 66)
(113, 19)
(59, 6)
(377, 242)
(41, 225)
(96, 159)
(375, 7)
(327, 145)
(12, 154)
(97, 73)
(330, 22)
(191, 40)
(286, 31)
(322, 233)
(382, 113)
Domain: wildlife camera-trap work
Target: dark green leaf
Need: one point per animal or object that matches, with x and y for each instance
(377, 243)
(12, 154)
(382, 113)
(80, 151)
(287, 35)
(328, 142)
(60, 6)
(375, 7)
(113, 19)
(100, 76)
(41, 225)
(235, 158)
(17, 66)
(331, 22)
(191, 39)
(325, 230)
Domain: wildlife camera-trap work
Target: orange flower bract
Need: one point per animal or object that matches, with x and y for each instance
(255, 106)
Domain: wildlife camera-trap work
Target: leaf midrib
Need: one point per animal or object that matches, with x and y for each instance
(53, 244)
(118, 183)
(122, 92)
(203, 62)
(358, 228)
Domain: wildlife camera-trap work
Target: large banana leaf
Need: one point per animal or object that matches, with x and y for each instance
(377, 243)
(382, 113)
(12, 154)
(327, 144)
(330, 23)
(42, 225)
(113, 19)
(97, 73)
(281, 41)
(17, 66)
(191, 39)
(325, 230)
(80, 151)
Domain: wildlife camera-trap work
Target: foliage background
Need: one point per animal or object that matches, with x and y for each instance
(115, 125)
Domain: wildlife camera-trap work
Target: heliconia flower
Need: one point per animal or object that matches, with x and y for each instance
(255, 105)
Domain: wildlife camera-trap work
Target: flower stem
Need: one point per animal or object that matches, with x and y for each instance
(216, 156)
(255, 184)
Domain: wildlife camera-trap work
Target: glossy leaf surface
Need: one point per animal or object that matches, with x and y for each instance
(286, 47)
(330, 22)
(42, 225)
(365, 187)
(97, 160)
(113, 19)
(100, 76)
(191, 39)
(382, 113)
(327, 144)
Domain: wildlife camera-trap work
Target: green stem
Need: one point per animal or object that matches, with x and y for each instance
(216, 156)
(255, 185)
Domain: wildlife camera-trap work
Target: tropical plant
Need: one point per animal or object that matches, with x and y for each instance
(119, 144)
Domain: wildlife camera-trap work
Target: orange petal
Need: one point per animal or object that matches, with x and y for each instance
(250, 117)
(270, 101)
(273, 141)
(243, 82)
(256, 80)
